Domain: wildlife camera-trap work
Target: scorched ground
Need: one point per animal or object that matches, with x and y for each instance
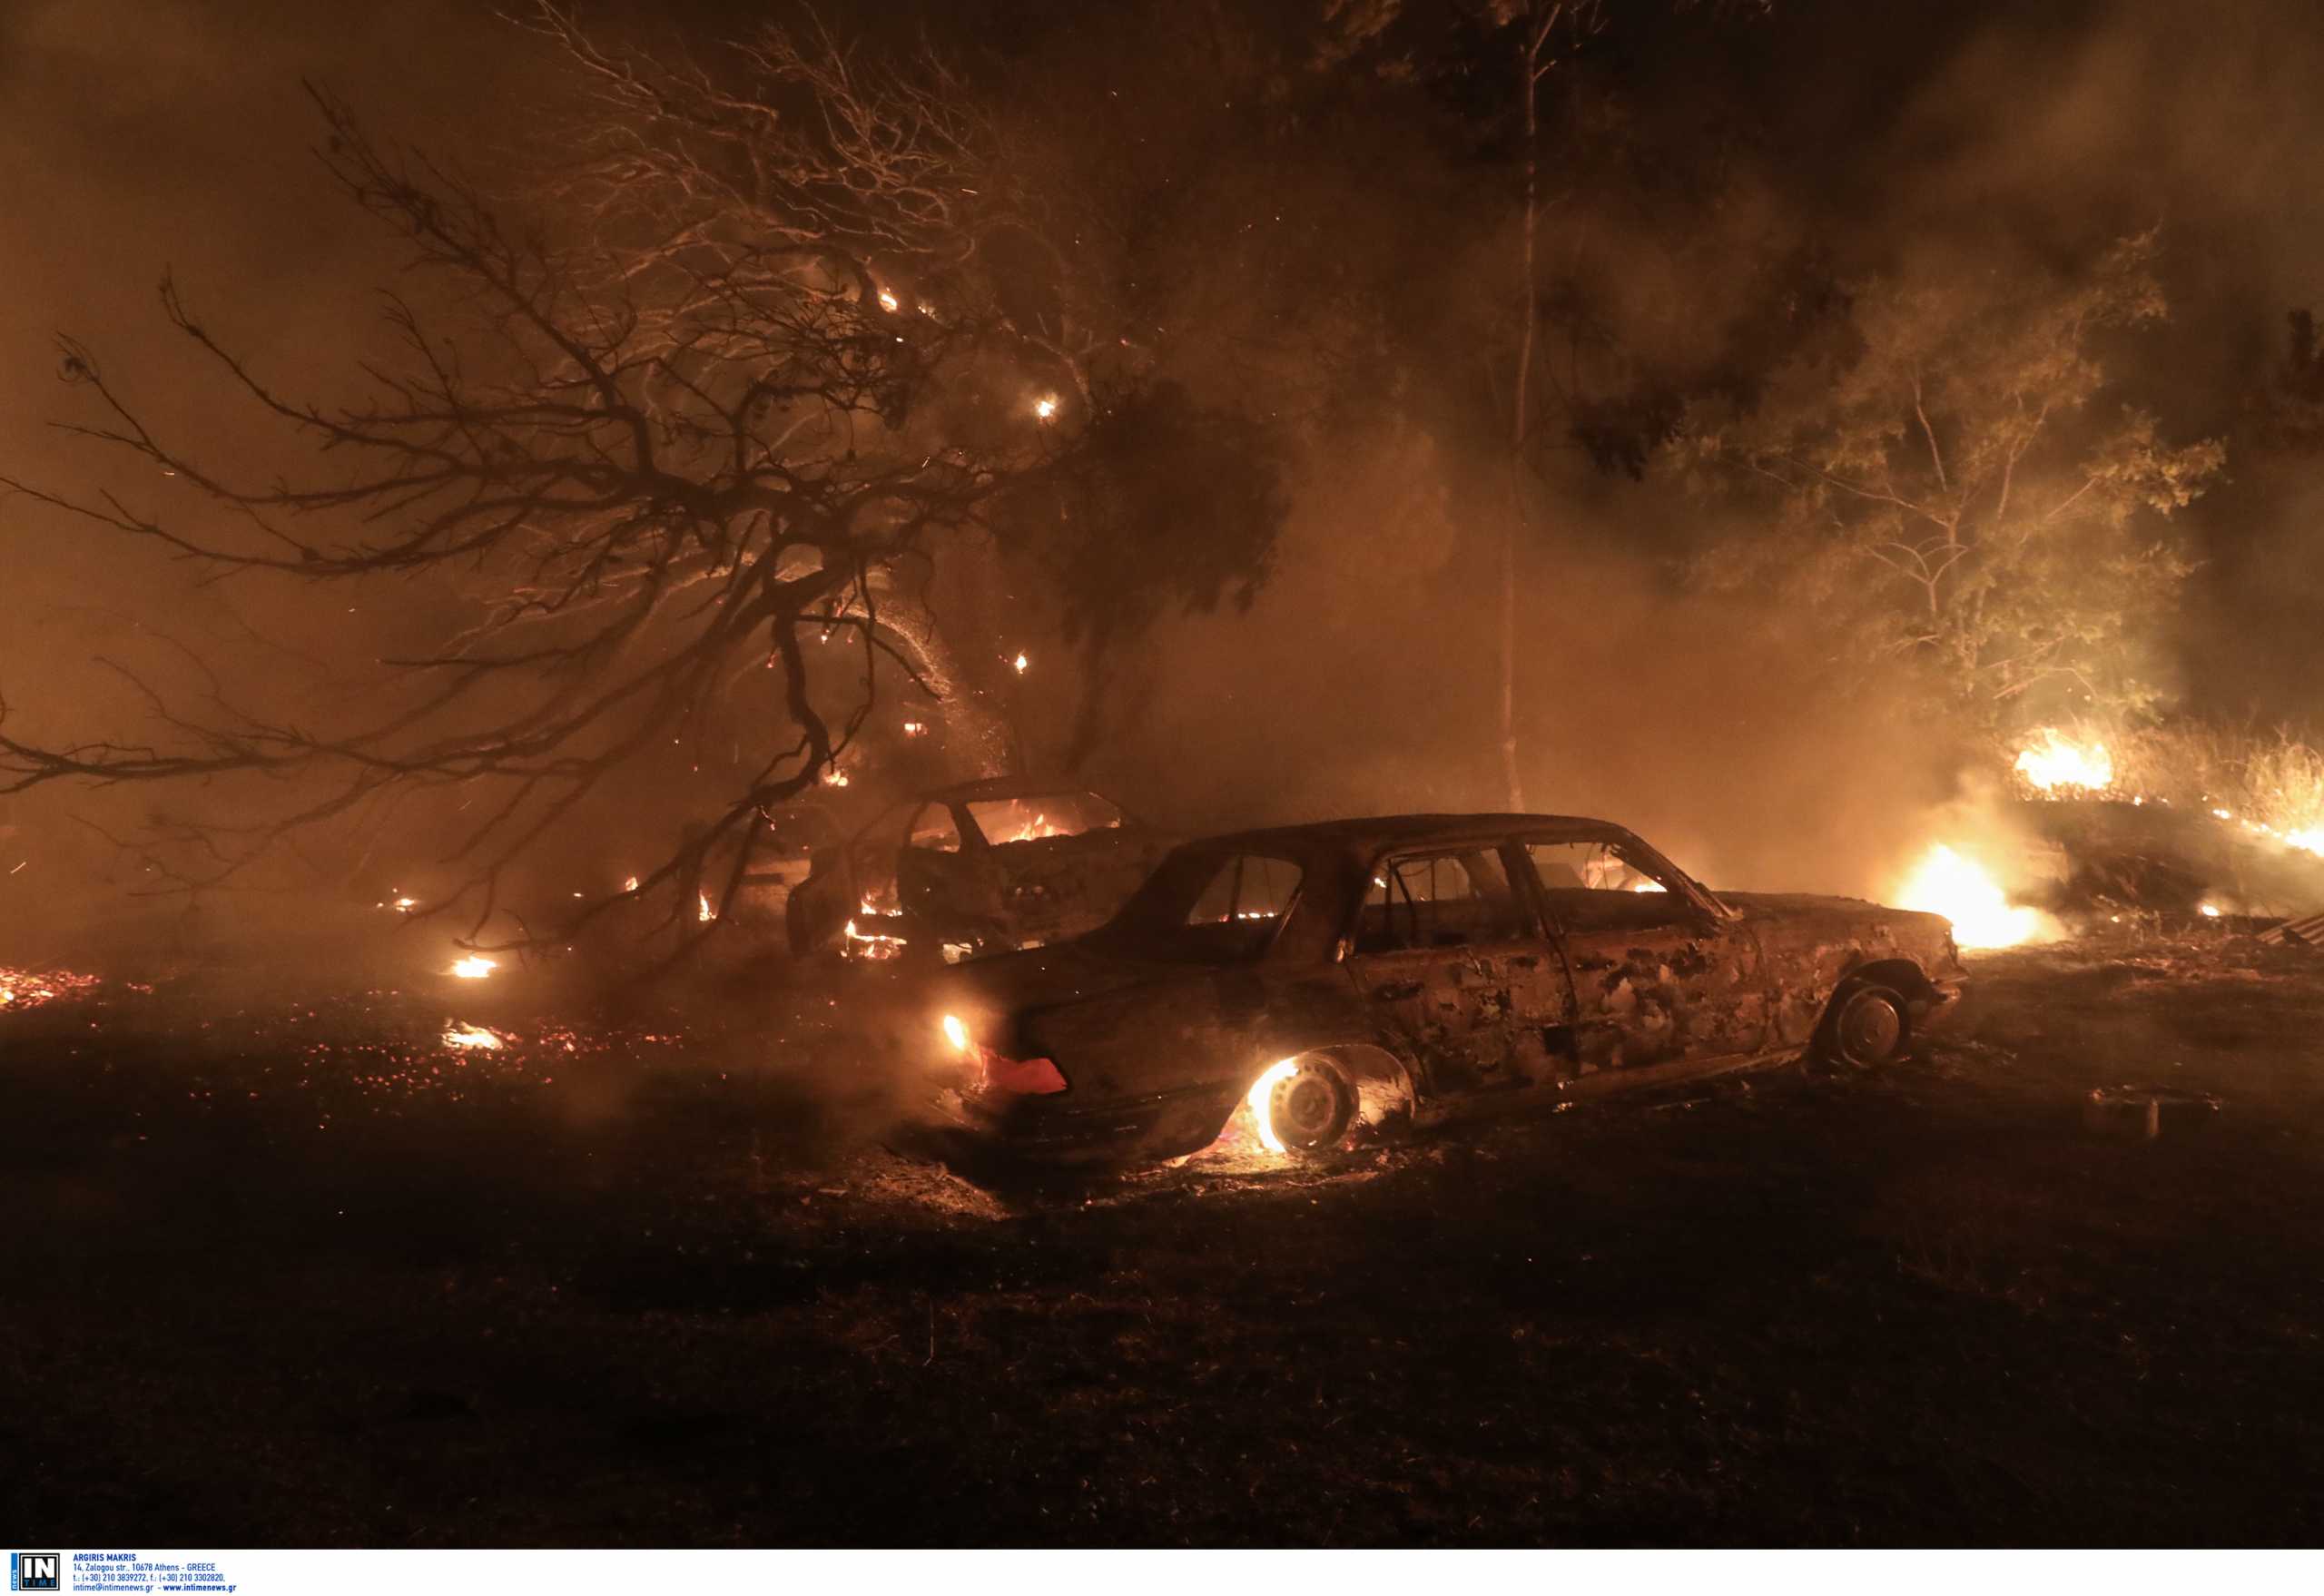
(317, 1274)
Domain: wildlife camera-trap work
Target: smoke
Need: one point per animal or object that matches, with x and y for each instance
(138, 136)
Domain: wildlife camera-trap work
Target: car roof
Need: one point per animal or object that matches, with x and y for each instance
(1370, 833)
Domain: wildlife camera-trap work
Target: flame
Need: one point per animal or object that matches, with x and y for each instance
(863, 944)
(956, 1033)
(407, 904)
(2051, 762)
(474, 966)
(28, 989)
(1946, 882)
(1045, 407)
(702, 910)
(834, 777)
(914, 728)
(630, 885)
(470, 1036)
(2210, 910)
(1262, 1094)
(888, 301)
(1021, 662)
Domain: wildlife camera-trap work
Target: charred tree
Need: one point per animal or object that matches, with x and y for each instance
(739, 407)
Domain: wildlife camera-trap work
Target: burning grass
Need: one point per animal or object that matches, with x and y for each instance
(2269, 786)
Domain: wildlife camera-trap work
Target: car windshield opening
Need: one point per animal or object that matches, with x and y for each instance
(1041, 815)
(1204, 907)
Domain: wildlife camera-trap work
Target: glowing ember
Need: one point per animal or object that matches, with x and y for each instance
(1262, 1094)
(888, 301)
(407, 904)
(470, 1036)
(629, 885)
(834, 777)
(1946, 883)
(474, 966)
(2051, 764)
(1045, 407)
(914, 728)
(27, 989)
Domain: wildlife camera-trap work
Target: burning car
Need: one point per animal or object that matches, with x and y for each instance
(1417, 967)
(983, 867)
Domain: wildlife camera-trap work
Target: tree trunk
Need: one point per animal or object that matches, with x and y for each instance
(1520, 416)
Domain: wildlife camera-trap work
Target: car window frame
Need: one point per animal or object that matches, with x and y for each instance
(960, 843)
(965, 816)
(1677, 882)
(1294, 908)
(1522, 888)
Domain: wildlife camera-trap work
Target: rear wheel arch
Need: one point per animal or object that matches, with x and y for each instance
(1381, 1083)
(1386, 1085)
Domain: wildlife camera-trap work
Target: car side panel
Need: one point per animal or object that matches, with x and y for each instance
(1681, 992)
(1475, 1017)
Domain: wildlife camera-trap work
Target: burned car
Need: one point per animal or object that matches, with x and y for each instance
(985, 867)
(1365, 971)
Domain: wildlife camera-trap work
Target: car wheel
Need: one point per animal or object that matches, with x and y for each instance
(1303, 1106)
(1870, 1028)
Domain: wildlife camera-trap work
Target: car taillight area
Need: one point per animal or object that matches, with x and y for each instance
(988, 1069)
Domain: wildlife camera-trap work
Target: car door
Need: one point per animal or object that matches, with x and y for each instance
(936, 883)
(1448, 953)
(1658, 975)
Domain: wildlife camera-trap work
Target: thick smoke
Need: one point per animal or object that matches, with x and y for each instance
(140, 136)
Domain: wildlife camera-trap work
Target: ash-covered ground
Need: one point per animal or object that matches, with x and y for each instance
(306, 1272)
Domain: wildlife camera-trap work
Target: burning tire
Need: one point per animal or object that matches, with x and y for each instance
(1869, 1026)
(1302, 1106)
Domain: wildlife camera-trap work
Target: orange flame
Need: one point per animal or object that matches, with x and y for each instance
(2053, 762)
(1959, 888)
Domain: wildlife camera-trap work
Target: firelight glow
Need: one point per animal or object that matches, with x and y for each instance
(2053, 764)
(956, 1033)
(474, 966)
(1262, 1093)
(1946, 882)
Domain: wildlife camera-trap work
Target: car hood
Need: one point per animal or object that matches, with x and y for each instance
(1793, 917)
